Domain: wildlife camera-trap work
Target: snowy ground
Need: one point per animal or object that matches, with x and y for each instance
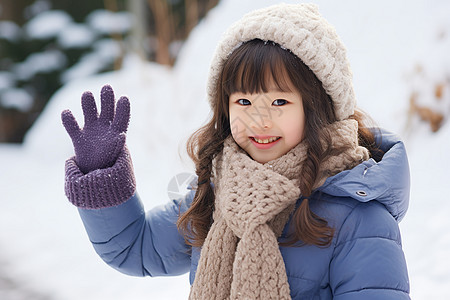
(44, 251)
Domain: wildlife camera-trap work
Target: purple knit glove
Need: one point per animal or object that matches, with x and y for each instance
(101, 173)
(102, 139)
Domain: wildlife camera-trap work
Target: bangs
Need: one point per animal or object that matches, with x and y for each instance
(257, 66)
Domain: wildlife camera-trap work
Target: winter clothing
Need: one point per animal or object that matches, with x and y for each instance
(303, 31)
(100, 145)
(364, 260)
(103, 187)
(102, 139)
(253, 203)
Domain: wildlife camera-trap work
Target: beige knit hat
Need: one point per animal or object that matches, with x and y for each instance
(301, 29)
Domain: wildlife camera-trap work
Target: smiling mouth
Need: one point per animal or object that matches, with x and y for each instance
(265, 141)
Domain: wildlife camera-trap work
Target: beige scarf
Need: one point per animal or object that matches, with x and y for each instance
(240, 258)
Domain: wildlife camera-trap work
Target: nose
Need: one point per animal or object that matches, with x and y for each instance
(261, 125)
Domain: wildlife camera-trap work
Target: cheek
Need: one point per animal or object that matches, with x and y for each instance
(238, 128)
(293, 129)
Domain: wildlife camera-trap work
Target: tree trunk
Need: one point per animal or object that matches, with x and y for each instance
(192, 14)
(164, 29)
(138, 8)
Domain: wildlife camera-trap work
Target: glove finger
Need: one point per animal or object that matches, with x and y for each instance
(107, 104)
(117, 148)
(89, 108)
(121, 142)
(122, 117)
(70, 124)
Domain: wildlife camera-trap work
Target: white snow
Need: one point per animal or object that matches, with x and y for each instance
(47, 24)
(108, 22)
(40, 62)
(37, 7)
(104, 52)
(16, 98)
(9, 31)
(76, 36)
(42, 241)
(6, 80)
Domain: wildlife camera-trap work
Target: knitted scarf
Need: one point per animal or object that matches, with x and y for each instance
(240, 258)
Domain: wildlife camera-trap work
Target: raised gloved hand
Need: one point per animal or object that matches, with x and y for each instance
(102, 138)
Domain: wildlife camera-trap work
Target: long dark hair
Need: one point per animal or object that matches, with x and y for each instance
(250, 69)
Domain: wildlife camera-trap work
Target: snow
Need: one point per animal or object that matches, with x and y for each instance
(6, 80)
(44, 246)
(9, 31)
(37, 7)
(17, 98)
(47, 24)
(104, 52)
(108, 22)
(76, 36)
(40, 62)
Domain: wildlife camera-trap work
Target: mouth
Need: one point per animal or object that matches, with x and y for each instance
(265, 140)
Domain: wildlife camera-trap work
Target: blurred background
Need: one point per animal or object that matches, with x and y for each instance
(158, 53)
(46, 43)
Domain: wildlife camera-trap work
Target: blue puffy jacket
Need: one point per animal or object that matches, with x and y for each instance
(364, 261)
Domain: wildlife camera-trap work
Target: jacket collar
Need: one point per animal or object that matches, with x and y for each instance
(386, 180)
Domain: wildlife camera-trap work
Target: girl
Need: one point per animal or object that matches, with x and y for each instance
(295, 197)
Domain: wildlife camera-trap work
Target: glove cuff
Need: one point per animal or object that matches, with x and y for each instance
(100, 188)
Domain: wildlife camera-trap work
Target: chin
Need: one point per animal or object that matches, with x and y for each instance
(263, 160)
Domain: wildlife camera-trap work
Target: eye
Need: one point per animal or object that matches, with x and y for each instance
(280, 102)
(244, 102)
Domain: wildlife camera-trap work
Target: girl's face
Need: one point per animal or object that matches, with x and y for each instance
(267, 125)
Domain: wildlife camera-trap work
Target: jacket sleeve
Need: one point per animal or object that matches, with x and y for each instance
(138, 243)
(368, 261)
